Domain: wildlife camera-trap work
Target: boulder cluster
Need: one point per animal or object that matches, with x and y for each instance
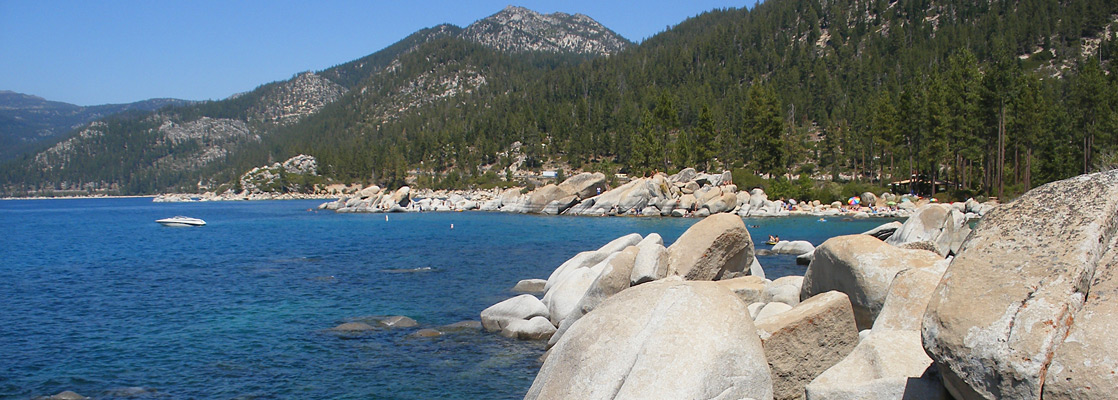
(1020, 307)
(686, 194)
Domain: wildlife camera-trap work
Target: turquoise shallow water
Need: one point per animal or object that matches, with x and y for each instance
(99, 299)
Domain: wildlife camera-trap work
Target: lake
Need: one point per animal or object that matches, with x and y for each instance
(99, 299)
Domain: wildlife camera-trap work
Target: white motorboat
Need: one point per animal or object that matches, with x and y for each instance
(179, 220)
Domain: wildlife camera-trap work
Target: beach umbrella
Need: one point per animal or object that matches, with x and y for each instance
(891, 203)
(853, 201)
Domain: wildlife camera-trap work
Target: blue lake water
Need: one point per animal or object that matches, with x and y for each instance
(97, 298)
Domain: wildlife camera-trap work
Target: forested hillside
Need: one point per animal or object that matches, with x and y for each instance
(994, 97)
(991, 97)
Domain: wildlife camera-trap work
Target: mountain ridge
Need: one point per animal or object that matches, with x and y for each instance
(820, 72)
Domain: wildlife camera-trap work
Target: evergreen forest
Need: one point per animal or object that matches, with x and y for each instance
(990, 98)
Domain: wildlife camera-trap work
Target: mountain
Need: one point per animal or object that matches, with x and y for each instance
(27, 120)
(518, 29)
(177, 146)
(988, 95)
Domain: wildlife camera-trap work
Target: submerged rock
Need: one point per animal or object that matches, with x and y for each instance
(398, 321)
(353, 327)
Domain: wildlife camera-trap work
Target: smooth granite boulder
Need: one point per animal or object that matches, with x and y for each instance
(612, 280)
(563, 298)
(530, 286)
(795, 247)
(584, 185)
(771, 309)
(651, 262)
(886, 365)
(937, 223)
(862, 267)
(669, 339)
(803, 342)
(884, 231)
(908, 297)
(1027, 309)
(717, 247)
(750, 289)
(522, 307)
(589, 259)
(584, 259)
(784, 290)
(725, 203)
(537, 328)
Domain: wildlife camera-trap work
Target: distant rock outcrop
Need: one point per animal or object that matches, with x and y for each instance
(301, 96)
(518, 29)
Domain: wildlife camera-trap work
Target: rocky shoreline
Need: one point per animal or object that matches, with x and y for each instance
(928, 309)
(686, 194)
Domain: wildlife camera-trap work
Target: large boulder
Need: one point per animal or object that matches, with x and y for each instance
(584, 185)
(1027, 308)
(886, 365)
(717, 247)
(803, 342)
(651, 262)
(884, 231)
(402, 196)
(523, 307)
(795, 247)
(539, 199)
(589, 259)
(669, 339)
(908, 297)
(612, 280)
(862, 267)
(684, 176)
(537, 328)
(724, 203)
(530, 286)
(938, 223)
(563, 298)
(750, 289)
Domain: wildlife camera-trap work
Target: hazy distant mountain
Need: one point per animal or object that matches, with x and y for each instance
(182, 141)
(27, 120)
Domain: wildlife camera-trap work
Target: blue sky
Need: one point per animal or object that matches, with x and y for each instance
(118, 51)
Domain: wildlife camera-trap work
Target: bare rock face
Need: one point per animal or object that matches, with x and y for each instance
(1028, 308)
(518, 29)
(292, 100)
(803, 342)
(862, 267)
(669, 339)
(717, 247)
